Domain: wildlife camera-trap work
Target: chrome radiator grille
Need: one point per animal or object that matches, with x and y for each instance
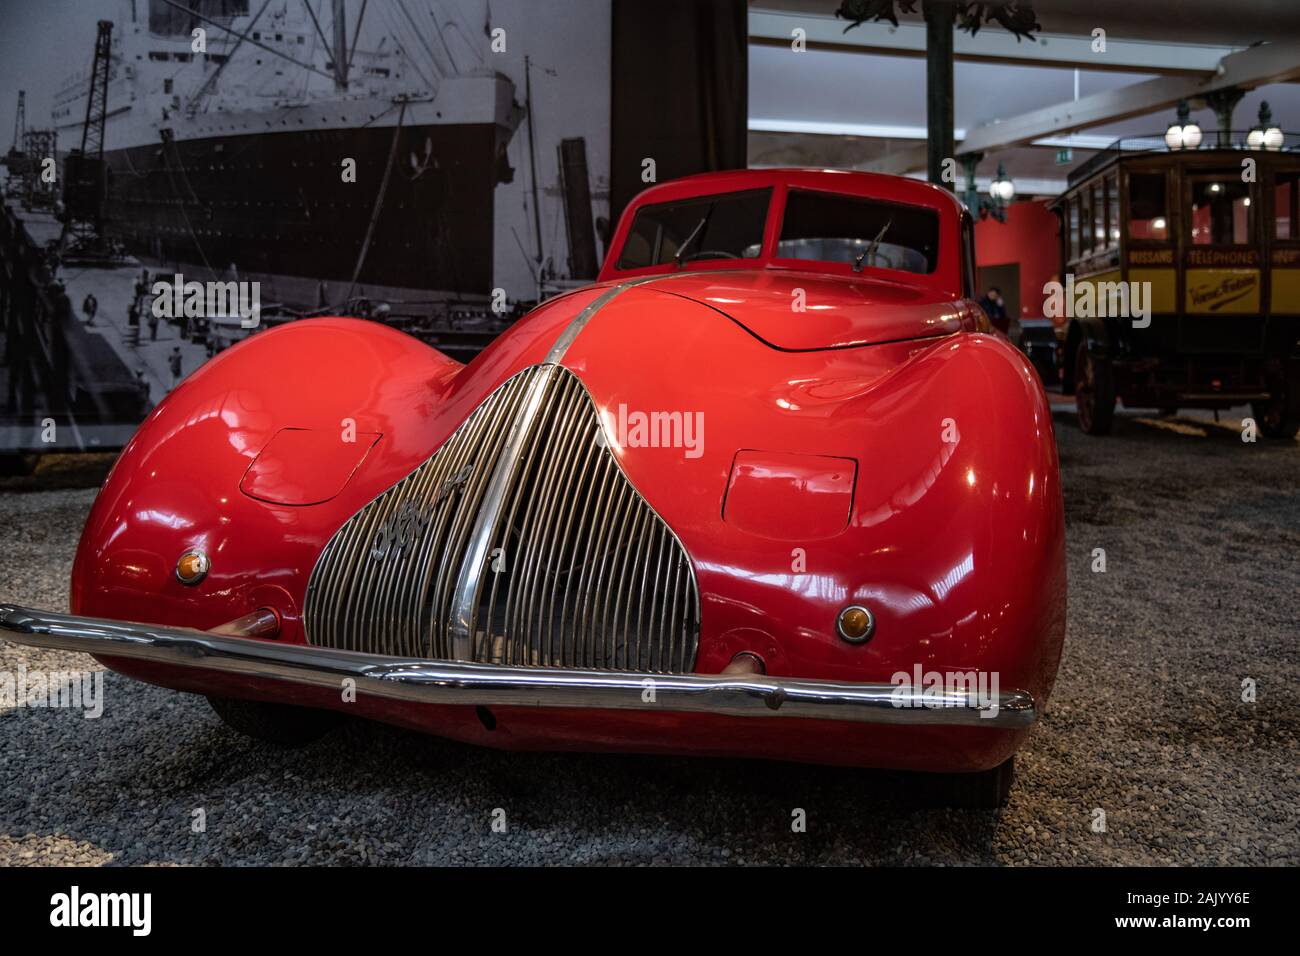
(520, 541)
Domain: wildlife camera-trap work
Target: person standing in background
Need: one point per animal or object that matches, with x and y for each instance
(996, 309)
(90, 305)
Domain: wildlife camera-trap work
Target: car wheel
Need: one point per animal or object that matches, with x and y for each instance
(1094, 391)
(985, 790)
(283, 725)
(1280, 416)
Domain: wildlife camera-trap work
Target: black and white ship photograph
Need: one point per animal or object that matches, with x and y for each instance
(440, 165)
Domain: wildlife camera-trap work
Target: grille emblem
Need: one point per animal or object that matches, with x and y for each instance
(399, 535)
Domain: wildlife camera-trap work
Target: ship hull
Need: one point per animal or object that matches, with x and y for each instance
(278, 204)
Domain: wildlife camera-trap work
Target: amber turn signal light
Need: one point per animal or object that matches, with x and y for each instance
(192, 567)
(855, 624)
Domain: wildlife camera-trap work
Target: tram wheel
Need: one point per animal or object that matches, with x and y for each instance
(1279, 417)
(1094, 391)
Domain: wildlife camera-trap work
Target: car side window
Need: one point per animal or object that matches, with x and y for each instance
(831, 227)
(727, 226)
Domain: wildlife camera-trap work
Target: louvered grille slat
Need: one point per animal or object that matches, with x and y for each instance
(579, 571)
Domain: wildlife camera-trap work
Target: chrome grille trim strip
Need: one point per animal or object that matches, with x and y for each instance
(579, 322)
(469, 579)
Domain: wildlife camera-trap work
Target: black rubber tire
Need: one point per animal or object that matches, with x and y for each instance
(1094, 391)
(283, 725)
(984, 790)
(1280, 418)
(17, 465)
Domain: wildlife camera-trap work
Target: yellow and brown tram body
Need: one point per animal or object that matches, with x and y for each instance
(1198, 252)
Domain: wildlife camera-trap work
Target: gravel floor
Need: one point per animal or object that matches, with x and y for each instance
(1201, 590)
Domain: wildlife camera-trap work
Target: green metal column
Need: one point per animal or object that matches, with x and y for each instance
(940, 18)
(1223, 102)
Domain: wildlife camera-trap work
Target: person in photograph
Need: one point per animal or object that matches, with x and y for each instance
(174, 362)
(90, 305)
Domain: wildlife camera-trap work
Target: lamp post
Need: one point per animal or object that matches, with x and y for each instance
(1183, 134)
(1001, 190)
(1265, 134)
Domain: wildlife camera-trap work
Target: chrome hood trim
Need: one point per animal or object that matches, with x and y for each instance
(455, 682)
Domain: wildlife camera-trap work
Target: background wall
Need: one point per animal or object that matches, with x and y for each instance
(1028, 238)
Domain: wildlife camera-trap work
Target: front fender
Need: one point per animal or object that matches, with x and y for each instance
(371, 397)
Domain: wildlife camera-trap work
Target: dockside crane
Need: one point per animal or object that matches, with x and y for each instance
(20, 128)
(84, 174)
(16, 159)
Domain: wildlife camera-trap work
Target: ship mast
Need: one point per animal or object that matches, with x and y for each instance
(532, 162)
(20, 122)
(341, 45)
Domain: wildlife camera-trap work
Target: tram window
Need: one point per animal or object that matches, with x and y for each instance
(1074, 228)
(1220, 213)
(1112, 211)
(1086, 206)
(1148, 208)
(1286, 198)
(1098, 196)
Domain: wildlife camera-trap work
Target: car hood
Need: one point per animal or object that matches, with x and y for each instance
(836, 312)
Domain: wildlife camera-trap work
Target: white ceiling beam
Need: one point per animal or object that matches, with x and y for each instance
(1255, 66)
(887, 131)
(1277, 62)
(828, 128)
(992, 43)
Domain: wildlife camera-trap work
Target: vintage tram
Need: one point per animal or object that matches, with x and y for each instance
(1180, 282)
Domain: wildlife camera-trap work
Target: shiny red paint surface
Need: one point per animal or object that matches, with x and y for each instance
(776, 494)
(950, 527)
(306, 466)
(835, 312)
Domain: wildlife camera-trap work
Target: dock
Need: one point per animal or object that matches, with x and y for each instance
(68, 384)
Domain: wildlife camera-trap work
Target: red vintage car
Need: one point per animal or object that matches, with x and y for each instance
(768, 488)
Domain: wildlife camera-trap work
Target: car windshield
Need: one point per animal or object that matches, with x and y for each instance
(831, 227)
(729, 226)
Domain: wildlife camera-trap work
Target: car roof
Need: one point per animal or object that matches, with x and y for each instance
(896, 189)
(850, 182)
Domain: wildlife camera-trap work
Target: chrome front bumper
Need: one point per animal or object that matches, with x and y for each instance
(454, 682)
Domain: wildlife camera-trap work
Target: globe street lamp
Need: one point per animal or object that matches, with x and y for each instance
(1265, 135)
(1183, 134)
(1002, 189)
